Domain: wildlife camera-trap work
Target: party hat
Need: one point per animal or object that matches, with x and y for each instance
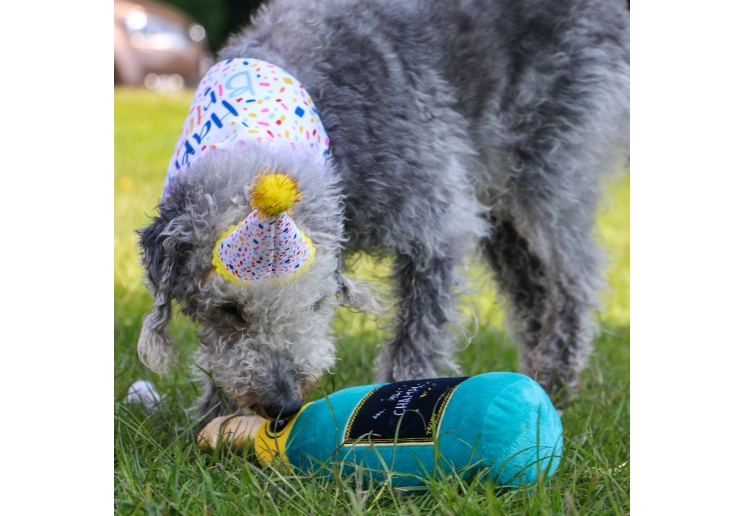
(268, 243)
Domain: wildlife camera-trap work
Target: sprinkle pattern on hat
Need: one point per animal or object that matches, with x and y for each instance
(241, 100)
(262, 248)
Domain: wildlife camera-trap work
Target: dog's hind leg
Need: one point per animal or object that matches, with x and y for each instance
(549, 308)
(565, 124)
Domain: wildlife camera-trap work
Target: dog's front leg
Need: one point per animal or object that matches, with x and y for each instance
(213, 402)
(420, 348)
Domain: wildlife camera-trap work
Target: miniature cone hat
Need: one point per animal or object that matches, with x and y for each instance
(267, 244)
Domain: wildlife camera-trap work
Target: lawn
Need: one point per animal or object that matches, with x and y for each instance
(157, 470)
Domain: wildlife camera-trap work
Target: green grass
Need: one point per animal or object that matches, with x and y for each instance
(158, 471)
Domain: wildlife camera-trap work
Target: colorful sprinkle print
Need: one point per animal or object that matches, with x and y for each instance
(241, 100)
(263, 248)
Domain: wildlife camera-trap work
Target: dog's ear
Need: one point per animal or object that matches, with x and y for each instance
(357, 295)
(160, 250)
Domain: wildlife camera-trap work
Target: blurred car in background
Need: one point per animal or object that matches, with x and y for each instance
(157, 46)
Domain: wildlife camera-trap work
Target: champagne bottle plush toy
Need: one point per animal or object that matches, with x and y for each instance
(500, 421)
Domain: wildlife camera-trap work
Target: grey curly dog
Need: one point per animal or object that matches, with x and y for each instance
(456, 127)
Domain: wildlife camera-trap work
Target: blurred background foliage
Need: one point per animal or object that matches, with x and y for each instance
(220, 18)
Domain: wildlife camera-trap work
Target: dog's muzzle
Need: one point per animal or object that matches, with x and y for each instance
(284, 410)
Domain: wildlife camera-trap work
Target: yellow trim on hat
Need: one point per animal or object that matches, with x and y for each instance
(218, 265)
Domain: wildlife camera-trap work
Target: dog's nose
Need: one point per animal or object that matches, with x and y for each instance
(283, 411)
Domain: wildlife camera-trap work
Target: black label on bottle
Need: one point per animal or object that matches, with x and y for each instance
(401, 412)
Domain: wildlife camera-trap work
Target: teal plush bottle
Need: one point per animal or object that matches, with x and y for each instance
(504, 422)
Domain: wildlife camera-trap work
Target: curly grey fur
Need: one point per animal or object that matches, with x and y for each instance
(453, 125)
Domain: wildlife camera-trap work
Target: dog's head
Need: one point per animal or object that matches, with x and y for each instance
(265, 342)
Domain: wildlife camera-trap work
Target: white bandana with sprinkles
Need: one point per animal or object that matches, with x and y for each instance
(242, 100)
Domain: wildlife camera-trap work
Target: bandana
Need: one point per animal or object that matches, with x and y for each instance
(242, 100)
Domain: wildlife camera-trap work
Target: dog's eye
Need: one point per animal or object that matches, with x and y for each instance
(232, 310)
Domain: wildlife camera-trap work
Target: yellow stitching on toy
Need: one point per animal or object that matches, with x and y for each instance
(444, 402)
(443, 406)
(354, 414)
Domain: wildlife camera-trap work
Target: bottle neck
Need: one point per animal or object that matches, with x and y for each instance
(271, 441)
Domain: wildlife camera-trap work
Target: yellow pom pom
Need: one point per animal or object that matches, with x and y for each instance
(274, 194)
